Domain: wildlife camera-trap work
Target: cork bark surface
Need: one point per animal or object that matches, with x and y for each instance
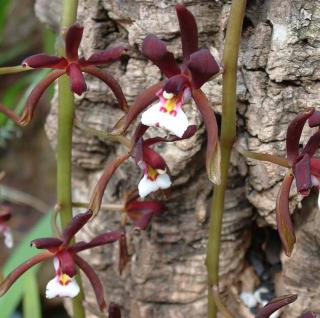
(278, 76)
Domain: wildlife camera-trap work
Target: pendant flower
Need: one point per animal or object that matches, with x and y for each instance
(74, 67)
(65, 258)
(5, 216)
(302, 166)
(182, 83)
(156, 174)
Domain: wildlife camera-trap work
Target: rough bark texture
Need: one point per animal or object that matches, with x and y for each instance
(278, 76)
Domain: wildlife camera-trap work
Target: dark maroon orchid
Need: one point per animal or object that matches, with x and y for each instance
(156, 174)
(74, 67)
(182, 83)
(5, 216)
(302, 167)
(278, 303)
(66, 259)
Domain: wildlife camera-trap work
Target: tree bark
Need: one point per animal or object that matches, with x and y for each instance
(278, 76)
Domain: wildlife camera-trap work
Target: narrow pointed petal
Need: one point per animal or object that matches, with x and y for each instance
(104, 57)
(189, 31)
(191, 130)
(142, 101)
(209, 118)
(274, 305)
(302, 173)
(76, 224)
(66, 263)
(114, 311)
(156, 51)
(294, 133)
(308, 314)
(94, 280)
(315, 167)
(103, 239)
(15, 274)
(5, 213)
(35, 95)
(139, 132)
(123, 253)
(110, 82)
(284, 223)
(312, 145)
(314, 119)
(73, 39)
(46, 243)
(45, 61)
(281, 161)
(10, 114)
(98, 191)
(77, 82)
(202, 66)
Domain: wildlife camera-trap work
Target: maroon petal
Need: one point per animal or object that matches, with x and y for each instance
(308, 314)
(49, 243)
(73, 39)
(10, 114)
(66, 261)
(176, 84)
(94, 280)
(114, 311)
(98, 191)
(153, 159)
(143, 100)
(312, 145)
(156, 51)
(315, 167)
(294, 133)
(302, 173)
(103, 239)
(284, 223)
(275, 304)
(110, 82)
(202, 66)
(77, 81)
(139, 132)
(35, 95)
(76, 224)
(209, 118)
(189, 31)
(191, 130)
(123, 253)
(5, 214)
(15, 274)
(43, 60)
(104, 57)
(314, 119)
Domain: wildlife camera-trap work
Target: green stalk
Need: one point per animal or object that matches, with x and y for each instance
(14, 69)
(228, 135)
(64, 147)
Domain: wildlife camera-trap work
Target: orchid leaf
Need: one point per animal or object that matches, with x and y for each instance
(31, 297)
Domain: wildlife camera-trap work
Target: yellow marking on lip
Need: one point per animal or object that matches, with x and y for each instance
(170, 104)
(64, 279)
(152, 173)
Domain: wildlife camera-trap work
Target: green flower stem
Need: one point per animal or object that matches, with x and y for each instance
(14, 69)
(228, 135)
(64, 147)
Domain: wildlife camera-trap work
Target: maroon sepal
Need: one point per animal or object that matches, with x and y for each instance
(153, 159)
(176, 84)
(49, 243)
(72, 39)
(308, 314)
(275, 304)
(141, 212)
(94, 280)
(66, 263)
(5, 213)
(189, 31)
(16, 273)
(315, 167)
(114, 311)
(284, 223)
(202, 66)
(314, 119)
(123, 253)
(104, 57)
(44, 60)
(75, 225)
(156, 51)
(312, 145)
(77, 82)
(294, 133)
(302, 173)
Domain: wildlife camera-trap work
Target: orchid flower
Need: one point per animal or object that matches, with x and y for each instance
(274, 305)
(65, 258)
(182, 83)
(74, 67)
(5, 216)
(156, 173)
(302, 167)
